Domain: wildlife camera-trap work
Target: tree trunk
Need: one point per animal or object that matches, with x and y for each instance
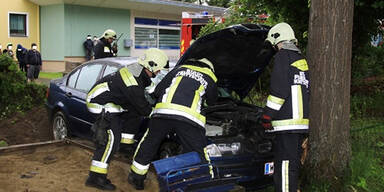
(329, 58)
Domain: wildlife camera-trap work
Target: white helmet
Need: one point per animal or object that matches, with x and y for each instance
(281, 32)
(154, 60)
(109, 33)
(207, 62)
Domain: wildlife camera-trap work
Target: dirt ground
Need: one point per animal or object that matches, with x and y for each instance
(54, 167)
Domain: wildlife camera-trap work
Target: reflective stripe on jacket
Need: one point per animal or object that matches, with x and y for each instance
(183, 91)
(288, 102)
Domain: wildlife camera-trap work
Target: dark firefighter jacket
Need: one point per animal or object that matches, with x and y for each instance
(33, 57)
(121, 91)
(183, 91)
(103, 49)
(288, 102)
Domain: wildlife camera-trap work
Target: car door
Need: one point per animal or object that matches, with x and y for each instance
(81, 119)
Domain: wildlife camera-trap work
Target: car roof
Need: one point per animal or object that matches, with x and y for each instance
(123, 61)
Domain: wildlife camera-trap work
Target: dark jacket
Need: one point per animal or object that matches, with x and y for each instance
(88, 45)
(33, 57)
(120, 91)
(183, 91)
(21, 54)
(288, 102)
(103, 49)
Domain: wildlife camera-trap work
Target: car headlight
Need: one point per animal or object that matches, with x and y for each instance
(217, 150)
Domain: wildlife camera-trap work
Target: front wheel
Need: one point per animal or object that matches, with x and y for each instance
(59, 126)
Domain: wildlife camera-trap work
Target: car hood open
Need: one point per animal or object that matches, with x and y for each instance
(239, 55)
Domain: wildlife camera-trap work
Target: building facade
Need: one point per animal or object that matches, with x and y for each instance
(19, 24)
(142, 24)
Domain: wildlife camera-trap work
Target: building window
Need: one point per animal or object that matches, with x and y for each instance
(157, 33)
(17, 24)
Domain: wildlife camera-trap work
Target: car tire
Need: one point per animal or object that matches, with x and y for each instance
(59, 126)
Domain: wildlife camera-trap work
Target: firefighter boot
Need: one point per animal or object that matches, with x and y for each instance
(136, 180)
(99, 181)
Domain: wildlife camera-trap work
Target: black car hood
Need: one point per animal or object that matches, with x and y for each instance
(239, 55)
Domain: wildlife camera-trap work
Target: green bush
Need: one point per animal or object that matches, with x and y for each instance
(15, 93)
(367, 64)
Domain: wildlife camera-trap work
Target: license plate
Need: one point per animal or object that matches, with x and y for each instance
(268, 168)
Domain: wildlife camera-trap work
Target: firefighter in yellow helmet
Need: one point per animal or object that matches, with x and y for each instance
(180, 96)
(118, 100)
(287, 108)
(104, 47)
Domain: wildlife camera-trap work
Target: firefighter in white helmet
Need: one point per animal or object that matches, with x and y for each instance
(118, 100)
(287, 108)
(180, 96)
(104, 47)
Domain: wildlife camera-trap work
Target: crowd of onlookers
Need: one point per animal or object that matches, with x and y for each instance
(29, 60)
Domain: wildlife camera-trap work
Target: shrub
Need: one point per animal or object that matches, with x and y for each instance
(15, 93)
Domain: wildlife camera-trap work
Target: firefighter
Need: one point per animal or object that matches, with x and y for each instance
(104, 47)
(114, 97)
(287, 108)
(180, 96)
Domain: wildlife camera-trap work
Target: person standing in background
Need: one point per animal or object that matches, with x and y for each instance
(88, 46)
(9, 50)
(104, 47)
(21, 54)
(34, 63)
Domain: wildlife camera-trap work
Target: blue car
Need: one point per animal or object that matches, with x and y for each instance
(238, 146)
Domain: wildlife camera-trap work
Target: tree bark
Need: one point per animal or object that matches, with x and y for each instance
(329, 57)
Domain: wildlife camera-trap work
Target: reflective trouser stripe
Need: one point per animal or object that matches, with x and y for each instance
(109, 147)
(285, 176)
(99, 167)
(127, 138)
(209, 162)
(136, 166)
(139, 168)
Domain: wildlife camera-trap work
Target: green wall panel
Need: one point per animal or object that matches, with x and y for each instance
(52, 32)
(82, 20)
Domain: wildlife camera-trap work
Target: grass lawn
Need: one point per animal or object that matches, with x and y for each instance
(50, 75)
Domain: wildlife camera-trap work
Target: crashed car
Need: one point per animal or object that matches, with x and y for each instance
(239, 149)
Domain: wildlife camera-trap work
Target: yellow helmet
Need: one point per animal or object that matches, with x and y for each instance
(281, 32)
(109, 33)
(154, 60)
(207, 62)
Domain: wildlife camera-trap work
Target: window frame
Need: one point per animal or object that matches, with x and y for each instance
(158, 26)
(26, 23)
(101, 72)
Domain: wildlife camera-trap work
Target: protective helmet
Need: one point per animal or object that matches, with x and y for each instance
(281, 32)
(109, 33)
(207, 62)
(154, 60)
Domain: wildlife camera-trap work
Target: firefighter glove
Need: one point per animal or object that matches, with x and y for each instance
(266, 122)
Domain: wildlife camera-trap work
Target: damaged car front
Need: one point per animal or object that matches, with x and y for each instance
(239, 149)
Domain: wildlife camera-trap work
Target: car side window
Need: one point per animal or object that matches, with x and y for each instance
(88, 76)
(72, 79)
(110, 69)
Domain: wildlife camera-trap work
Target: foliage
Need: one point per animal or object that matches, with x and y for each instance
(365, 171)
(369, 63)
(15, 94)
(219, 3)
